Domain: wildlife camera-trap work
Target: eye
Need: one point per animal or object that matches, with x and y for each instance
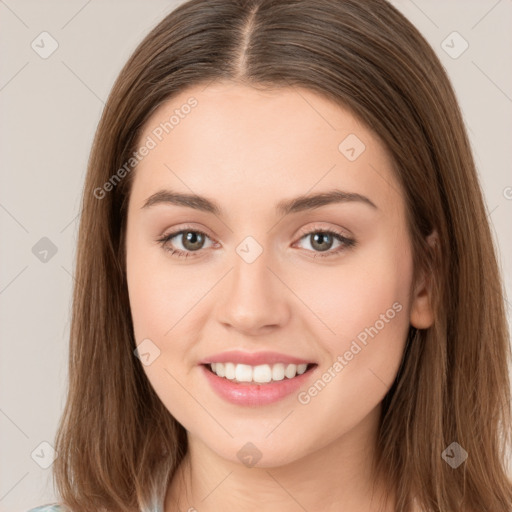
(322, 240)
(192, 240)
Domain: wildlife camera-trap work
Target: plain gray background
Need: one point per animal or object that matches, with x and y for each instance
(50, 108)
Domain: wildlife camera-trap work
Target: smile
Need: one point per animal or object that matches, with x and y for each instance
(260, 374)
(240, 384)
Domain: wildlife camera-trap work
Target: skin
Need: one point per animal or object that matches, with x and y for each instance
(247, 150)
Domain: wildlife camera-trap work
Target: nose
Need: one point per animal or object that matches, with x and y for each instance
(254, 300)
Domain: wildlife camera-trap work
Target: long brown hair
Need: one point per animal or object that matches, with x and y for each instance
(118, 446)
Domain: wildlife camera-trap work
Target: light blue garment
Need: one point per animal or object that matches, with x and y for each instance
(58, 508)
(46, 508)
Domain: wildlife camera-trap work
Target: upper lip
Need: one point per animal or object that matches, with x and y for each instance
(253, 358)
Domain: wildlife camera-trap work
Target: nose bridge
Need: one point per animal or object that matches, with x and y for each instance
(254, 297)
(251, 273)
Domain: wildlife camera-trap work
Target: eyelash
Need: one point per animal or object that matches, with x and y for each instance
(347, 243)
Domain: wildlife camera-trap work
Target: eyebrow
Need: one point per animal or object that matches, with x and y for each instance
(285, 207)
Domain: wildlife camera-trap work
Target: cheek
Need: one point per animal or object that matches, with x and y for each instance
(366, 305)
(159, 300)
(167, 304)
(363, 306)
(368, 287)
(158, 293)
(148, 306)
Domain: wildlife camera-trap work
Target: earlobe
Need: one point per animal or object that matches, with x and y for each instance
(422, 314)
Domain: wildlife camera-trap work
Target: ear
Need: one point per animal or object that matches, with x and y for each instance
(422, 315)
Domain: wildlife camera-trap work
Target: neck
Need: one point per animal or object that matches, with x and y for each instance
(338, 476)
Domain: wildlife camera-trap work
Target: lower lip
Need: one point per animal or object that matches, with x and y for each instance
(255, 394)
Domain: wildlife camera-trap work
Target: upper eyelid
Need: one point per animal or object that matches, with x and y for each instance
(181, 231)
(315, 228)
(303, 231)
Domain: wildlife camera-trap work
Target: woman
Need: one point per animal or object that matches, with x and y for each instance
(288, 295)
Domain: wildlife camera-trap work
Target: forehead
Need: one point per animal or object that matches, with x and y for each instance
(231, 140)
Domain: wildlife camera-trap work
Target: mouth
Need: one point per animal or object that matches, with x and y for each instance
(263, 374)
(238, 383)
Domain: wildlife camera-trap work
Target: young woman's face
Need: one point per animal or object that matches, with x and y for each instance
(325, 282)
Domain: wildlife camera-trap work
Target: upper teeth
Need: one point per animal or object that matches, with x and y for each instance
(260, 374)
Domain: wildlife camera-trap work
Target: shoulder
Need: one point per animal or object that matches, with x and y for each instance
(47, 508)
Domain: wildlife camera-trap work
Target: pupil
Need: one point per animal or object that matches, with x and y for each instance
(318, 244)
(193, 240)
